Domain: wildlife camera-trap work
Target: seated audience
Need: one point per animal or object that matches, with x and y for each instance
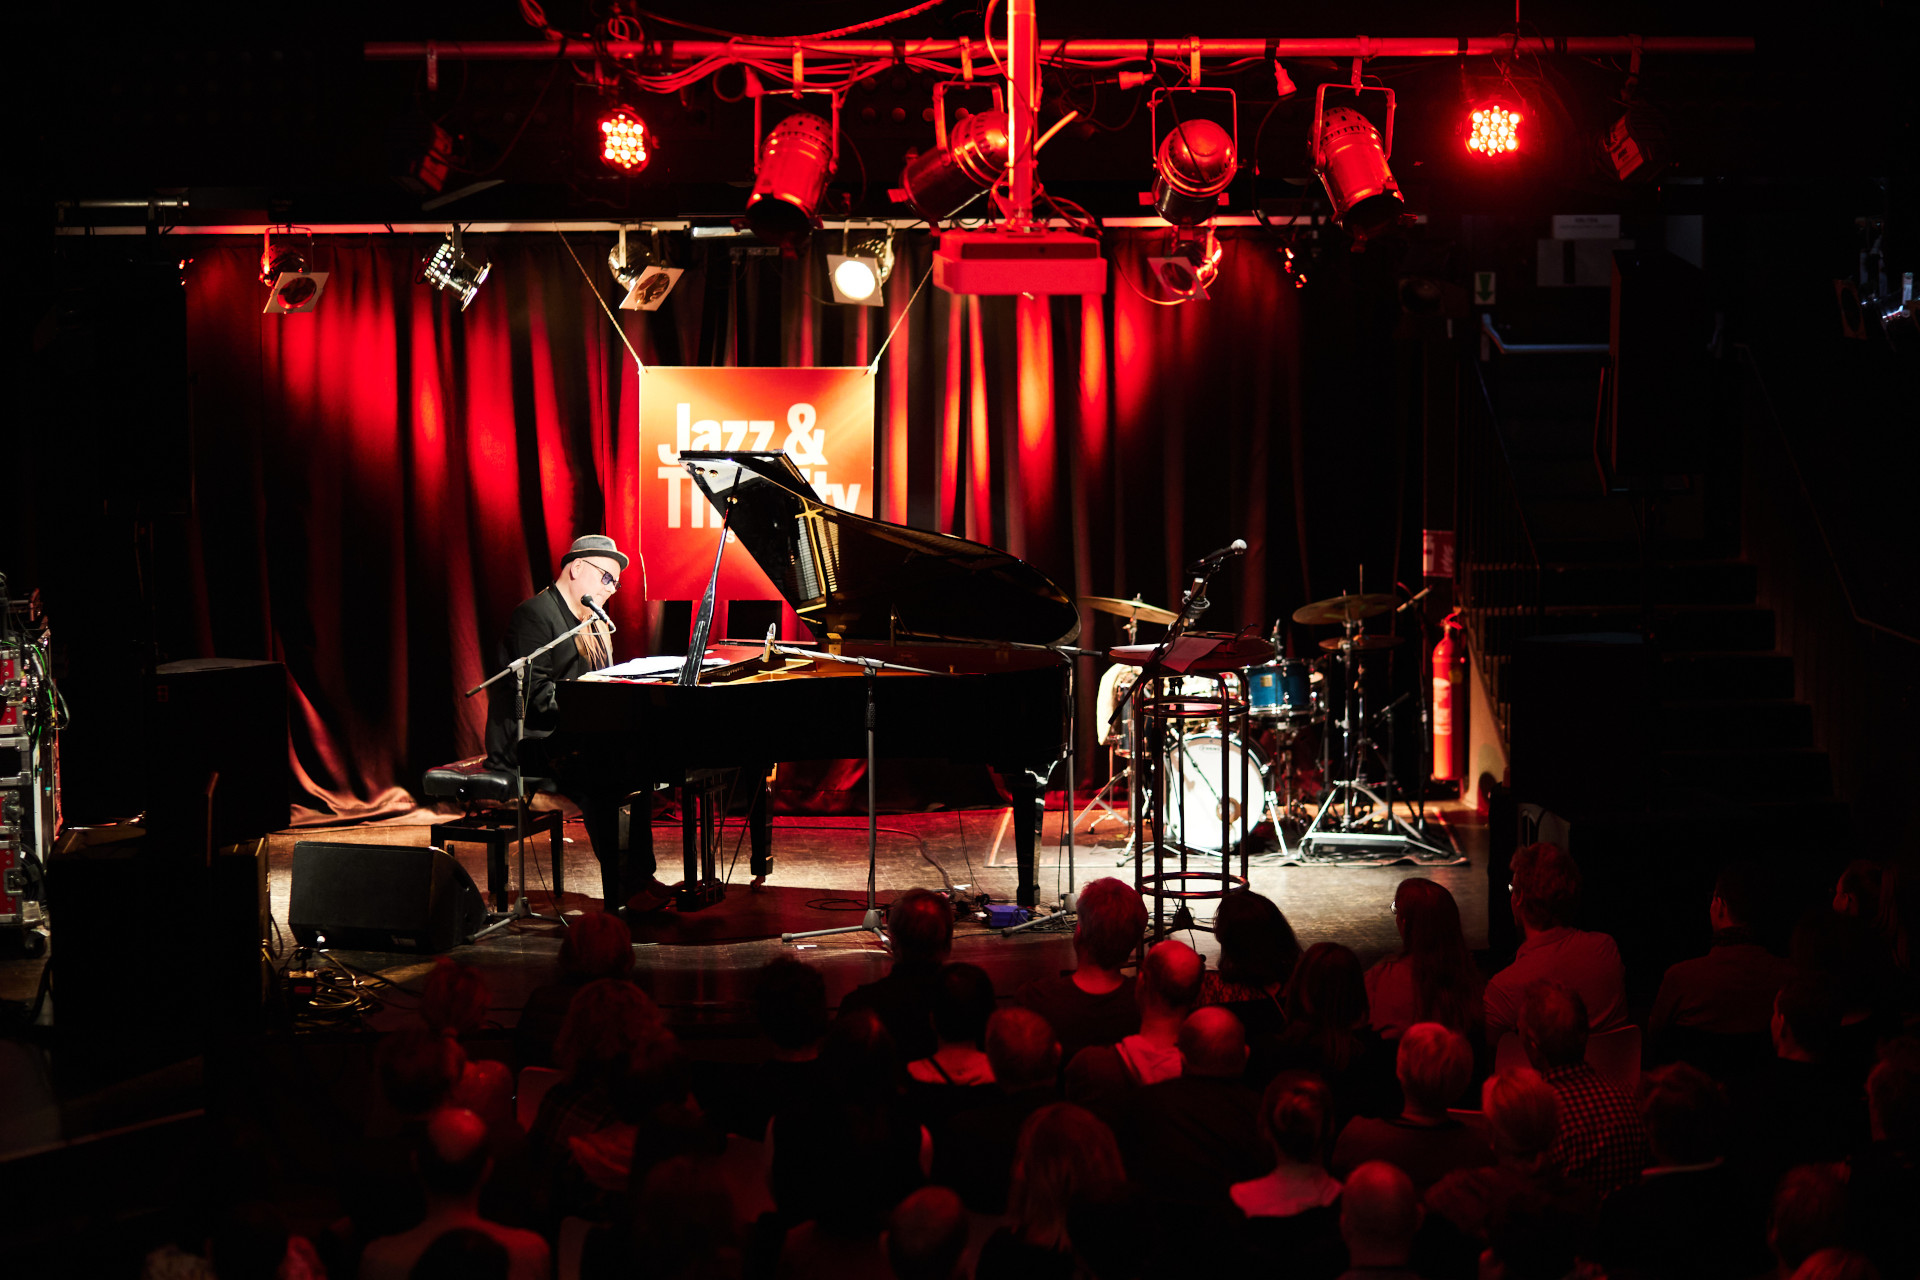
(926, 1235)
(1066, 1155)
(682, 1227)
(920, 924)
(417, 1071)
(1328, 1033)
(1857, 894)
(464, 1254)
(1434, 1066)
(1523, 1118)
(1603, 1143)
(1805, 1106)
(1100, 1077)
(1532, 1238)
(973, 1152)
(1809, 1214)
(1380, 1215)
(1690, 1214)
(1432, 978)
(1837, 1264)
(453, 1164)
(455, 1003)
(790, 1005)
(962, 1002)
(1545, 884)
(1292, 1227)
(1714, 1010)
(1094, 1005)
(1257, 955)
(1186, 1141)
(597, 945)
(1884, 1178)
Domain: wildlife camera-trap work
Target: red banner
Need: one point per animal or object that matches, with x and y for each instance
(822, 418)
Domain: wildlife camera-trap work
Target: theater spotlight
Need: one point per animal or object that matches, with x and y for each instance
(644, 272)
(857, 273)
(284, 254)
(966, 159)
(625, 143)
(450, 270)
(1351, 161)
(1493, 128)
(796, 159)
(1195, 162)
(1190, 268)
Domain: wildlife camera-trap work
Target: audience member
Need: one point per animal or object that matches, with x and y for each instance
(1380, 1214)
(1857, 894)
(597, 945)
(463, 1254)
(963, 1000)
(1328, 1033)
(1432, 978)
(1186, 1141)
(453, 1164)
(456, 998)
(1545, 884)
(1291, 1223)
(974, 1152)
(1100, 1077)
(926, 1235)
(920, 924)
(1714, 1010)
(1094, 1005)
(1533, 1237)
(1603, 1143)
(1523, 1118)
(1689, 1215)
(1884, 1178)
(417, 1070)
(251, 1241)
(1837, 1264)
(1805, 1106)
(790, 1005)
(1809, 1214)
(1257, 955)
(1065, 1155)
(1434, 1066)
(682, 1227)
(455, 1002)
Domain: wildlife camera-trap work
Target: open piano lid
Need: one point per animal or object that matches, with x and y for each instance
(851, 577)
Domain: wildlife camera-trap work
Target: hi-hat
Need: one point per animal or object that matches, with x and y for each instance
(1333, 644)
(1136, 609)
(1342, 609)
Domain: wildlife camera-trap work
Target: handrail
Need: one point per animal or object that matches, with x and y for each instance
(1813, 508)
(1506, 348)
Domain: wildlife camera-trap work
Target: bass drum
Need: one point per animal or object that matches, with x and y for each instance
(1194, 790)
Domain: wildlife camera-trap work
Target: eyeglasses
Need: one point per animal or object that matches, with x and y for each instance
(607, 579)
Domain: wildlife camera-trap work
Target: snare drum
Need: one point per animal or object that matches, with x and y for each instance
(1280, 691)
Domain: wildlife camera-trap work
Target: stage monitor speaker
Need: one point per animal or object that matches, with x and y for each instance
(226, 716)
(380, 897)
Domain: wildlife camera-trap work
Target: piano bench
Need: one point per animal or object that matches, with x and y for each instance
(491, 818)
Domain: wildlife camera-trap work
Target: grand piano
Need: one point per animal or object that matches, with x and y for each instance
(868, 589)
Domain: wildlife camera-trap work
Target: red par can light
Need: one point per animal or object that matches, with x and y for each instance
(1493, 129)
(624, 141)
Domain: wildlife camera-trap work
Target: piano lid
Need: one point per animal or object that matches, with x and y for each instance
(850, 577)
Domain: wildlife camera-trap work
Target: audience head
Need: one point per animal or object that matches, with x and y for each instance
(1170, 979)
(1837, 1264)
(790, 999)
(1328, 988)
(613, 1032)
(1532, 1237)
(249, 1243)
(598, 945)
(465, 1253)
(920, 922)
(683, 1218)
(1434, 1065)
(859, 1059)
(1809, 1214)
(1553, 1026)
(1523, 1115)
(1022, 1050)
(1806, 1018)
(1109, 918)
(1296, 1118)
(1893, 1096)
(1686, 1113)
(1257, 946)
(1545, 884)
(1857, 895)
(1065, 1154)
(417, 1067)
(1213, 1043)
(962, 1002)
(926, 1234)
(456, 999)
(452, 1155)
(1738, 899)
(1379, 1215)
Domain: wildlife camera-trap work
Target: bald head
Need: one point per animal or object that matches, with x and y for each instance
(1170, 978)
(1379, 1215)
(453, 1152)
(1213, 1043)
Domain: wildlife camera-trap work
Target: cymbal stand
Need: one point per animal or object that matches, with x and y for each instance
(1113, 776)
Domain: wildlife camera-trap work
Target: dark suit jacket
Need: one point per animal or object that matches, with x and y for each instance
(534, 622)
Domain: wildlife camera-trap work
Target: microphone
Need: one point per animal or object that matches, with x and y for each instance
(1412, 599)
(768, 655)
(598, 612)
(1214, 558)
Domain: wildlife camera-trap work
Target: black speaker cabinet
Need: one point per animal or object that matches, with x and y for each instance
(225, 716)
(381, 897)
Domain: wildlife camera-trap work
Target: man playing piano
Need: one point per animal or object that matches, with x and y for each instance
(591, 569)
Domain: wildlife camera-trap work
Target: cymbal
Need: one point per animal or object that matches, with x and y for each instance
(1332, 643)
(1338, 609)
(1135, 608)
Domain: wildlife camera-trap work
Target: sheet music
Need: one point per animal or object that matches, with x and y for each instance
(662, 666)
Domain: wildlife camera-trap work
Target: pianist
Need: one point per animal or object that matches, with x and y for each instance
(591, 567)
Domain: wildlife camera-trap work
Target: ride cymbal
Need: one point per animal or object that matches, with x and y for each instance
(1333, 644)
(1342, 609)
(1135, 608)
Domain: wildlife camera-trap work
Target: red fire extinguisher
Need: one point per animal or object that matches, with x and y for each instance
(1443, 770)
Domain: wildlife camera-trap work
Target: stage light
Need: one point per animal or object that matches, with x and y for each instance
(796, 159)
(1195, 165)
(625, 143)
(857, 274)
(284, 255)
(450, 270)
(294, 291)
(1190, 268)
(644, 273)
(1351, 161)
(966, 160)
(281, 252)
(1493, 129)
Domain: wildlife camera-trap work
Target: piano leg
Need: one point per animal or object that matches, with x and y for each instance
(1028, 791)
(760, 822)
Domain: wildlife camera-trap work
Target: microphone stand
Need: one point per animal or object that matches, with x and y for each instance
(496, 921)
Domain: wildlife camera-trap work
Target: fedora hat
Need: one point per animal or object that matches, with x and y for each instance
(594, 544)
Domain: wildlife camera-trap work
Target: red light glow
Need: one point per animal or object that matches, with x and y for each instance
(1493, 130)
(624, 142)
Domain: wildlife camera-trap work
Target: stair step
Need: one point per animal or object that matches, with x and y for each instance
(1724, 677)
(1717, 628)
(1760, 774)
(1769, 723)
(1703, 582)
